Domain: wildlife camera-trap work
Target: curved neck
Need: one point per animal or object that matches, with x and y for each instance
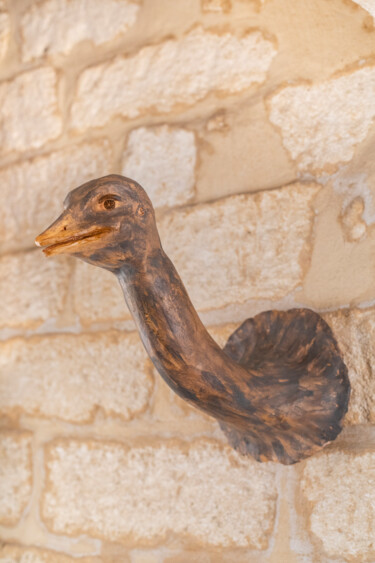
(177, 342)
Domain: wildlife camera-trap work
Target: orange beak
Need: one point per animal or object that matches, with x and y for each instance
(63, 237)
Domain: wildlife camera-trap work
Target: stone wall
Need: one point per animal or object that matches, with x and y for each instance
(251, 125)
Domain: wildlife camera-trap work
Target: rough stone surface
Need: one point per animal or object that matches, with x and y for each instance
(32, 192)
(341, 489)
(15, 475)
(21, 554)
(56, 376)
(171, 75)
(321, 124)
(243, 247)
(28, 110)
(354, 330)
(55, 27)
(234, 154)
(200, 491)
(162, 160)
(34, 288)
(97, 295)
(4, 29)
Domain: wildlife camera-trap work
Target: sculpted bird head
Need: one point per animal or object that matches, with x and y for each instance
(107, 222)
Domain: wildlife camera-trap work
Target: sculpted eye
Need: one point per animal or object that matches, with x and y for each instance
(109, 203)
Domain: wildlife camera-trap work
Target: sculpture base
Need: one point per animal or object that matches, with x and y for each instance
(307, 381)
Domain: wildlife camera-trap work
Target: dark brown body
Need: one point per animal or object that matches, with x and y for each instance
(279, 388)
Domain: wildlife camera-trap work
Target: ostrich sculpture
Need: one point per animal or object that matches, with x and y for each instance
(279, 388)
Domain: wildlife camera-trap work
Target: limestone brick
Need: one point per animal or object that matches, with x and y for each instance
(34, 288)
(200, 491)
(29, 114)
(15, 475)
(242, 247)
(171, 75)
(55, 27)
(97, 295)
(22, 554)
(162, 160)
(340, 488)
(354, 331)
(234, 153)
(321, 124)
(33, 191)
(70, 376)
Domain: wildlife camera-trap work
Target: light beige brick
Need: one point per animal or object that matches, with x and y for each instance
(171, 75)
(321, 124)
(22, 554)
(242, 247)
(355, 332)
(97, 295)
(340, 488)
(34, 288)
(29, 113)
(200, 491)
(55, 27)
(32, 192)
(162, 159)
(70, 376)
(4, 29)
(15, 475)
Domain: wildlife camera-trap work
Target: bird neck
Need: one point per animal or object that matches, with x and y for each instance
(174, 337)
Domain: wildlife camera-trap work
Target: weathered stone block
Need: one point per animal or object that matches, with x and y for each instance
(70, 376)
(97, 295)
(171, 75)
(340, 488)
(162, 159)
(55, 27)
(243, 247)
(29, 112)
(321, 124)
(15, 475)
(141, 494)
(355, 330)
(32, 192)
(34, 288)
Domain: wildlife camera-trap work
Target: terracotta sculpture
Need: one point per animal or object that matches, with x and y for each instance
(279, 389)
